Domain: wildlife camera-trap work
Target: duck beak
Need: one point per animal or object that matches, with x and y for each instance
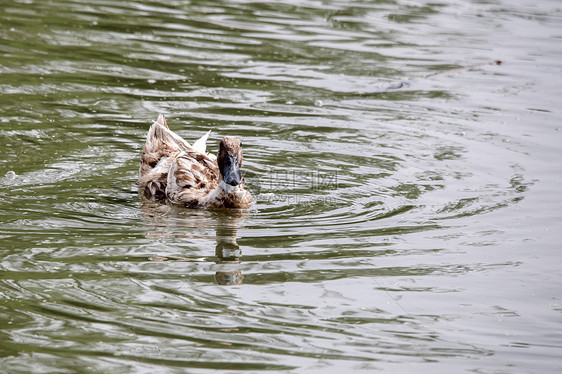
(231, 171)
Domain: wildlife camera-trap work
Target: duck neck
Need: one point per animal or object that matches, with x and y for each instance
(226, 187)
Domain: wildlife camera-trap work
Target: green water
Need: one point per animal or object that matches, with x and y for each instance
(404, 221)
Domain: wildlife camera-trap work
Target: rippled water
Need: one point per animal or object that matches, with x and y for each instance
(407, 218)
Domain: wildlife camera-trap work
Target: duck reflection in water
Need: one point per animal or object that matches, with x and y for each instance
(227, 251)
(166, 221)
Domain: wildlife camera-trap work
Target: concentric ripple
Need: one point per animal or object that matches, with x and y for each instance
(406, 187)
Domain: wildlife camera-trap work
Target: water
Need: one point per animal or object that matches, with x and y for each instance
(406, 220)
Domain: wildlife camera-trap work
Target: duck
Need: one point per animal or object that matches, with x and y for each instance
(171, 169)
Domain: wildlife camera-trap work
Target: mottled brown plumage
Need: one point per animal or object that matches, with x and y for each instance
(185, 174)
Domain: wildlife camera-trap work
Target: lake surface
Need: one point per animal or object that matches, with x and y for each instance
(408, 214)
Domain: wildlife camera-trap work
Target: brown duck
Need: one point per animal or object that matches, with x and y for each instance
(185, 174)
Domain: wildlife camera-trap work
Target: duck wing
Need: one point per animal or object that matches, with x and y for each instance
(201, 144)
(192, 177)
(170, 166)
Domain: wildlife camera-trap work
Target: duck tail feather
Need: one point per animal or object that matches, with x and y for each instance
(162, 121)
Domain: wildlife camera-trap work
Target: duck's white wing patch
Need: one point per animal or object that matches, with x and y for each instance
(201, 144)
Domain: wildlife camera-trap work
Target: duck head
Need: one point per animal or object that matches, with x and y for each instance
(229, 160)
